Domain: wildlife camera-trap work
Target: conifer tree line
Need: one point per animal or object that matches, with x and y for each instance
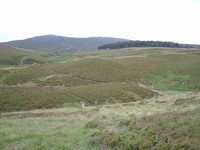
(127, 44)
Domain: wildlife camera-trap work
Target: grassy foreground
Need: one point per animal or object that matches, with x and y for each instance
(170, 121)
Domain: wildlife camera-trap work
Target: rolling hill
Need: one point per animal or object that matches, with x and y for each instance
(105, 77)
(130, 98)
(14, 56)
(61, 43)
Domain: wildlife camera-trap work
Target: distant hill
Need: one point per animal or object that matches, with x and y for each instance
(61, 43)
(14, 56)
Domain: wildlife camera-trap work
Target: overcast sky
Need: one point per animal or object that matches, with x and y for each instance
(165, 20)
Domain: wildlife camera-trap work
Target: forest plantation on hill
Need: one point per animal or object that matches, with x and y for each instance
(126, 44)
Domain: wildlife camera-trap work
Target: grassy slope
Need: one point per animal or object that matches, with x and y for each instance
(166, 69)
(117, 66)
(13, 56)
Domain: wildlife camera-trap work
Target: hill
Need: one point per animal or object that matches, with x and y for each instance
(61, 43)
(14, 56)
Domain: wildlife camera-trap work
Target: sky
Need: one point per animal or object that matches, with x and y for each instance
(163, 20)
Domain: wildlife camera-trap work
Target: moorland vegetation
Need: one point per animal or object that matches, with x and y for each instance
(130, 98)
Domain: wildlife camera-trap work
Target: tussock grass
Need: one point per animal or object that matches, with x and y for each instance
(149, 125)
(163, 131)
(114, 126)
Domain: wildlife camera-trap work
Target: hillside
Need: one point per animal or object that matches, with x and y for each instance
(99, 77)
(103, 99)
(61, 43)
(15, 56)
(117, 66)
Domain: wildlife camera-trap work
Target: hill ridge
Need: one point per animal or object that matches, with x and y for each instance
(61, 43)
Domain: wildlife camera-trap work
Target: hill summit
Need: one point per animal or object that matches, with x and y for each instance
(61, 43)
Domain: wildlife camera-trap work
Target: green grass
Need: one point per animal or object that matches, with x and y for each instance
(173, 82)
(44, 134)
(6, 71)
(64, 58)
(5, 63)
(3, 78)
(49, 55)
(59, 57)
(13, 56)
